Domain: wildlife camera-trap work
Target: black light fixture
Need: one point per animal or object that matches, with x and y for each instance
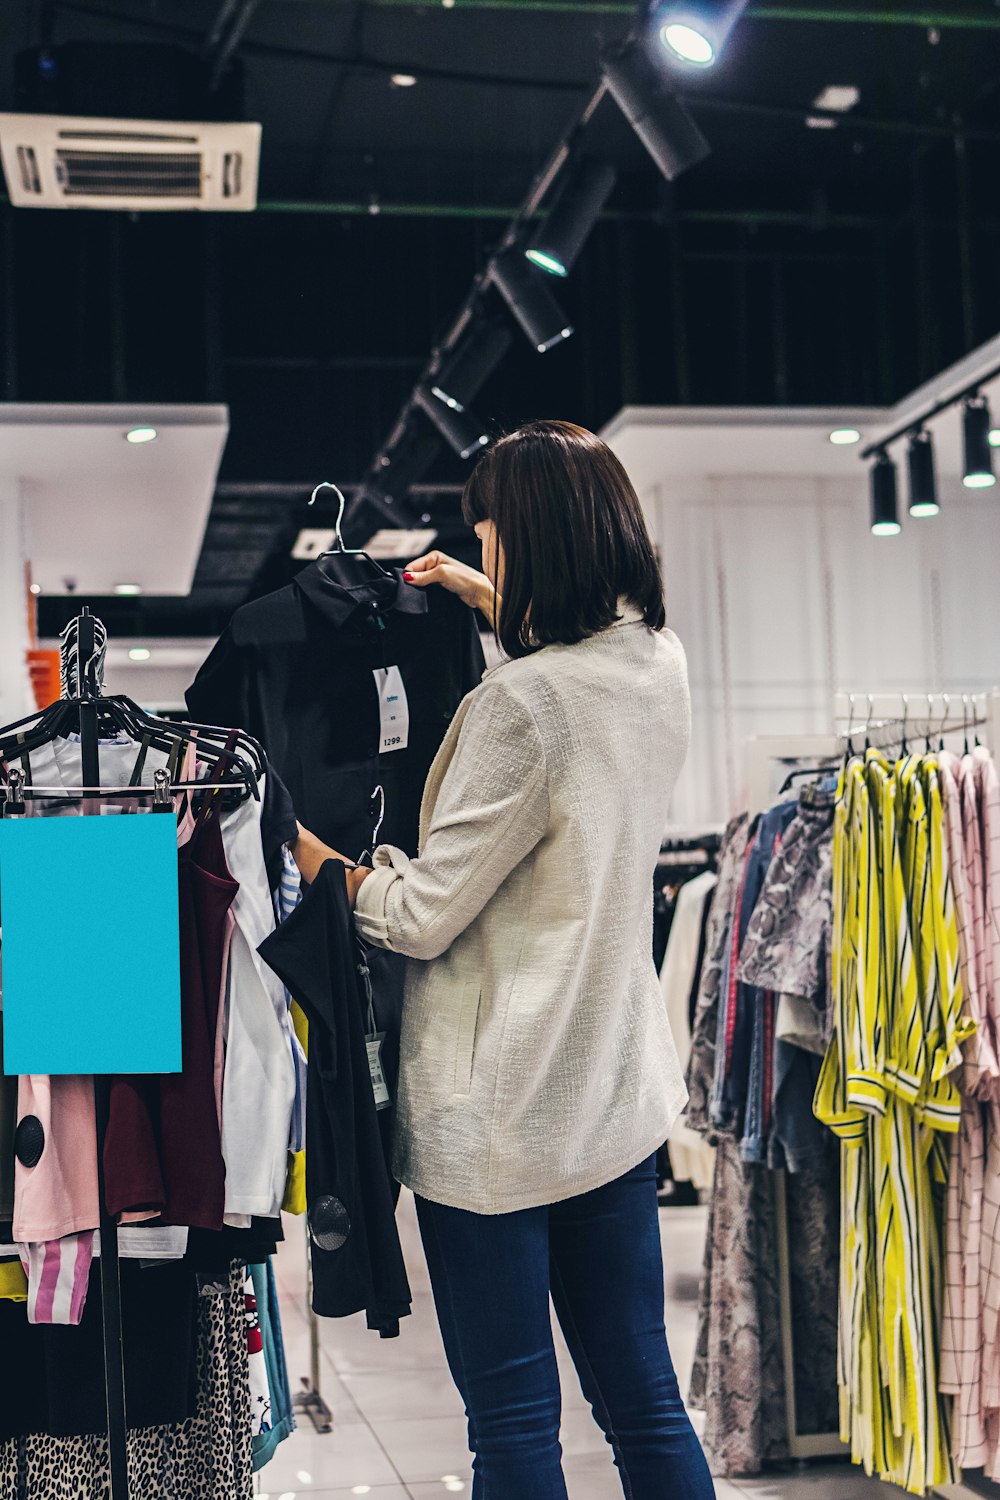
(529, 299)
(459, 428)
(659, 119)
(885, 507)
(465, 371)
(695, 31)
(575, 210)
(922, 475)
(977, 472)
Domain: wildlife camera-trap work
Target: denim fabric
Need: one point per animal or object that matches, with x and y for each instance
(740, 1085)
(753, 1146)
(798, 1142)
(599, 1257)
(282, 1415)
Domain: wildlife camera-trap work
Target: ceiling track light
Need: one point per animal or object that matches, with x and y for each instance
(459, 428)
(977, 471)
(464, 372)
(659, 119)
(576, 208)
(921, 474)
(884, 497)
(529, 299)
(695, 31)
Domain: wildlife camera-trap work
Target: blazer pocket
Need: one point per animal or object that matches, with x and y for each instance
(465, 1040)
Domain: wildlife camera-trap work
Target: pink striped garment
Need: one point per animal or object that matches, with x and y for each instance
(58, 1273)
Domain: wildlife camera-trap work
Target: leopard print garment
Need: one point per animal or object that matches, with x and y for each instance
(207, 1457)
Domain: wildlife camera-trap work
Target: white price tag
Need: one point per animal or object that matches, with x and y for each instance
(393, 709)
(379, 1086)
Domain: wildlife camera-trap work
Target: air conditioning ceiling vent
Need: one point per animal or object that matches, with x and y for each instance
(53, 161)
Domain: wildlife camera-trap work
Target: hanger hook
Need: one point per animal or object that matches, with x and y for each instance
(906, 719)
(945, 716)
(326, 484)
(868, 721)
(965, 720)
(930, 720)
(379, 792)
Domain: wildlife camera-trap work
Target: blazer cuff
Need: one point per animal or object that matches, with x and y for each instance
(370, 911)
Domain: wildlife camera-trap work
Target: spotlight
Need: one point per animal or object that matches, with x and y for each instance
(530, 300)
(141, 435)
(885, 511)
(696, 31)
(923, 480)
(844, 437)
(656, 115)
(978, 469)
(459, 428)
(128, 589)
(139, 653)
(465, 371)
(575, 210)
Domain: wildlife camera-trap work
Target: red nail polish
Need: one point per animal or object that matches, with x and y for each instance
(408, 577)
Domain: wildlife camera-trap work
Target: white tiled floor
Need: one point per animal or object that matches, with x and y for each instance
(399, 1430)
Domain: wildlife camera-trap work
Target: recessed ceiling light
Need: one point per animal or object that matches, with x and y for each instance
(304, 1477)
(128, 588)
(995, 437)
(820, 122)
(844, 437)
(141, 435)
(838, 97)
(139, 653)
(403, 80)
(36, 588)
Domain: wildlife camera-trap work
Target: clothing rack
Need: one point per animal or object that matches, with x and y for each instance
(878, 712)
(82, 657)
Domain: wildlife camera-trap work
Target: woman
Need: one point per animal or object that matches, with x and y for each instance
(538, 1071)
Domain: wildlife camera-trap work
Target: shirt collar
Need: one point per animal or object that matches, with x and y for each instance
(339, 602)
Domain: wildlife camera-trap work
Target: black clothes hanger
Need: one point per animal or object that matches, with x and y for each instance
(84, 710)
(815, 771)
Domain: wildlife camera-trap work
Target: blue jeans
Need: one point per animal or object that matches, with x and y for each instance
(599, 1258)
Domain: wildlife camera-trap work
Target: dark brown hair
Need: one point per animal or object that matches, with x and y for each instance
(573, 536)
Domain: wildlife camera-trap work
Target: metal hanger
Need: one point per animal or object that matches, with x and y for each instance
(339, 548)
(369, 853)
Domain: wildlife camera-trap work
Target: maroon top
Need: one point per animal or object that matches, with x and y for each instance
(162, 1150)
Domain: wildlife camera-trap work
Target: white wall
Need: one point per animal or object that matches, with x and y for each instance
(782, 597)
(15, 686)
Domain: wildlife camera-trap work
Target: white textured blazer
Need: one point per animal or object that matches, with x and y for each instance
(537, 1060)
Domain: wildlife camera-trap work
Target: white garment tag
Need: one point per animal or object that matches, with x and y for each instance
(379, 1086)
(393, 709)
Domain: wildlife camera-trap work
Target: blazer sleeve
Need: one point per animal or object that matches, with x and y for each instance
(491, 810)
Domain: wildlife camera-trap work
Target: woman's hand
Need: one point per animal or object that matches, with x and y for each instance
(310, 854)
(471, 586)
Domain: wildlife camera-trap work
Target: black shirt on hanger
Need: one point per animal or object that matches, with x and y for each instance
(356, 1257)
(296, 669)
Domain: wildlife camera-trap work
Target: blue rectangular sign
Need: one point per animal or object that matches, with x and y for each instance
(90, 944)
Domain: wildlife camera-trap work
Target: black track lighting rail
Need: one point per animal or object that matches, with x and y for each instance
(380, 474)
(913, 424)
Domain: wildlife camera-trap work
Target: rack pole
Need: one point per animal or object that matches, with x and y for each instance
(111, 1305)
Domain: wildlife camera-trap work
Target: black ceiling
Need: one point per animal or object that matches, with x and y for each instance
(796, 265)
